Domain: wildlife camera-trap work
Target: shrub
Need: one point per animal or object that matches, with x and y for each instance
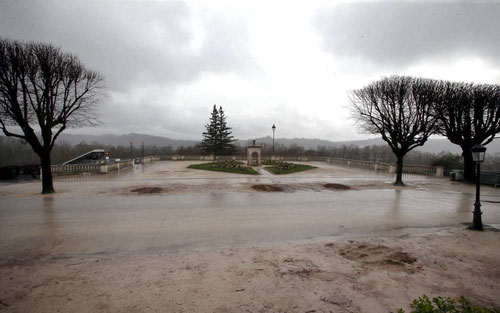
(449, 161)
(227, 164)
(281, 166)
(443, 305)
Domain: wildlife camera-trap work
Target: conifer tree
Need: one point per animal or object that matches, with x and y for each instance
(217, 139)
(225, 138)
(210, 142)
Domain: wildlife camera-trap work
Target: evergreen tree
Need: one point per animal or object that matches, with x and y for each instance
(217, 139)
(225, 138)
(210, 143)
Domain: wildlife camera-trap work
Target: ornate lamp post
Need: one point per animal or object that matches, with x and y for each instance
(478, 154)
(274, 128)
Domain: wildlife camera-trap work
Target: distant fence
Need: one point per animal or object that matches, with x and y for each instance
(490, 178)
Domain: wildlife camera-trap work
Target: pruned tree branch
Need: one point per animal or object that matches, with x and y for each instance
(399, 109)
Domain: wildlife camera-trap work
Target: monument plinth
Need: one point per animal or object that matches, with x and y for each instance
(253, 154)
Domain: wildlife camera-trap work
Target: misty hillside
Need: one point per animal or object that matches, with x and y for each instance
(124, 140)
(432, 145)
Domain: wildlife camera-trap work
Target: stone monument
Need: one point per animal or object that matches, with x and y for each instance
(253, 154)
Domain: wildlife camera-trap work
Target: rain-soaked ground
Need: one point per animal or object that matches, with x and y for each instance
(199, 209)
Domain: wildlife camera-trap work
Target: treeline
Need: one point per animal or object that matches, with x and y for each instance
(15, 152)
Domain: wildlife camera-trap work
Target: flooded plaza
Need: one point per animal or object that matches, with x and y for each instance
(165, 238)
(99, 214)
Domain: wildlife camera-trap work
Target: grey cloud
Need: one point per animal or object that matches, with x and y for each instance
(398, 34)
(132, 42)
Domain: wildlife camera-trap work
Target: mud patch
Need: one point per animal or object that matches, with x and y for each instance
(337, 187)
(370, 254)
(300, 267)
(148, 190)
(267, 188)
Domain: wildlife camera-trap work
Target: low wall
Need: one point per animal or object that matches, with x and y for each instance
(390, 168)
(58, 170)
(106, 168)
(150, 159)
(74, 168)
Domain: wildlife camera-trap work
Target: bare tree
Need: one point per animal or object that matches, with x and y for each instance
(468, 114)
(399, 109)
(43, 89)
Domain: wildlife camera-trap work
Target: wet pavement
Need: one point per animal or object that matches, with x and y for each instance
(92, 214)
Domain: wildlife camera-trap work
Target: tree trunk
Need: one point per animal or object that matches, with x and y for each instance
(399, 171)
(469, 166)
(47, 184)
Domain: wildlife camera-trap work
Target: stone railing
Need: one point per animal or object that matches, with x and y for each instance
(106, 168)
(390, 168)
(423, 170)
(75, 168)
(150, 159)
(102, 168)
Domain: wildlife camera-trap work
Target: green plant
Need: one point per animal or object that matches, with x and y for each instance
(225, 166)
(442, 305)
(279, 167)
(449, 161)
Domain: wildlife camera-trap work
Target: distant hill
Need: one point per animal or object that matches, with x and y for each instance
(432, 145)
(124, 140)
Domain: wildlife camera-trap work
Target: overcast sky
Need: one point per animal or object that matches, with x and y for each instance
(284, 62)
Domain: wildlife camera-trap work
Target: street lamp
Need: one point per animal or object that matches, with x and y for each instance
(478, 153)
(274, 128)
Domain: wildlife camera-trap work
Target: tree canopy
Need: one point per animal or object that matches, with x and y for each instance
(399, 109)
(43, 89)
(468, 114)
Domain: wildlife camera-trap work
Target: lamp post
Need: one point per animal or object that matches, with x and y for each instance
(274, 128)
(478, 153)
(131, 151)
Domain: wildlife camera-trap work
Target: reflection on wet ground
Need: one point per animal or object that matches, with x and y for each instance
(87, 216)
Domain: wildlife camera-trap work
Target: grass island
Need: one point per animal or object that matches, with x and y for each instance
(232, 166)
(282, 168)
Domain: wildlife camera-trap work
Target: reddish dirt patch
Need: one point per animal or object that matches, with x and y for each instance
(267, 188)
(148, 190)
(336, 186)
(370, 254)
